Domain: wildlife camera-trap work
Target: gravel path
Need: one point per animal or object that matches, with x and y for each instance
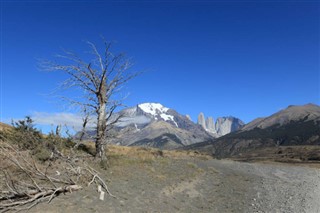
(193, 185)
(287, 189)
(278, 187)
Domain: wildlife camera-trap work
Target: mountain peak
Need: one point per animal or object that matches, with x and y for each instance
(153, 108)
(301, 109)
(308, 105)
(157, 110)
(291, 113)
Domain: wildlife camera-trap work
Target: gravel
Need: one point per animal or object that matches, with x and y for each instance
(194, 185)
(278, 187)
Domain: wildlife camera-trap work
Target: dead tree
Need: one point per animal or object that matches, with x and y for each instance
(100, 79)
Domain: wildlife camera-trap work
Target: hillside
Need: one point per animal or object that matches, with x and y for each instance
(293, 126)
(4, 126)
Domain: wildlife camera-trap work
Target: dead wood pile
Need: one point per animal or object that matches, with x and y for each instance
(25, 182)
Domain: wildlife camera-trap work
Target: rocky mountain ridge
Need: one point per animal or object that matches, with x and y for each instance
(222, 126)
(283, 117)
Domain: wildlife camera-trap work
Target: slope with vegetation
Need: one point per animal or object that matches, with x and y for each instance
(37, 168)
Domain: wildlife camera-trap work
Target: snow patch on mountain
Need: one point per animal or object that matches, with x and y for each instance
(136, 126)
(169, 117)
(153, 108)
(156, 109)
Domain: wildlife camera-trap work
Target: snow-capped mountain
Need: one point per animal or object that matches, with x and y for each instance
(145, 113)
(152, 124)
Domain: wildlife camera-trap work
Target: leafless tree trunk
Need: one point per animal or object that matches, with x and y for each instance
(101, 131)
(100, 79)
(85, 120)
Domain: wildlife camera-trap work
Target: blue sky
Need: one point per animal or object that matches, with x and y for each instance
(242, 58)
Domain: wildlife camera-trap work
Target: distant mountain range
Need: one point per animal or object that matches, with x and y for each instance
(154, 125)
(295, 125)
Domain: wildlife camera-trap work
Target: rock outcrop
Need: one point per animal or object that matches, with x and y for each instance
(201, 120)
(222, 126)
(225, 125)
(210, 125)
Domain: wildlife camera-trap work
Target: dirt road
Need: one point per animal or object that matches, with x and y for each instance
(276, 187)
(194, 185)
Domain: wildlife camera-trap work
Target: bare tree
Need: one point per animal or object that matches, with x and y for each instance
(100, 79)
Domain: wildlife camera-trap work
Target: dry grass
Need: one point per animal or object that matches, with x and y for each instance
(125, 162)
(5, 127)
(122, 155)
(302, 155)
(152, 153)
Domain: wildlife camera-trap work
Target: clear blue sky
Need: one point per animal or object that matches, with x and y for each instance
(242, 58)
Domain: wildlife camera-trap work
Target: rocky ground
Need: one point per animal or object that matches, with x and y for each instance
(196, 184)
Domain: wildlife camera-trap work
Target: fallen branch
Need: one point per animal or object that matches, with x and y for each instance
(40, 183)
(100, 180)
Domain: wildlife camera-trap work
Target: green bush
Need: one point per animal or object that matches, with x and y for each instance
(27, 137)
(87, 148)
(41, 153)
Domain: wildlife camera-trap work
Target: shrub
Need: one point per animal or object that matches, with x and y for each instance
(41, 153)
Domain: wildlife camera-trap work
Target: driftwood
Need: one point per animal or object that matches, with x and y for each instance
(27, 183)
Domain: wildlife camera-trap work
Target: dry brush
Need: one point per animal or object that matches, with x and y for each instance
(26, 182)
